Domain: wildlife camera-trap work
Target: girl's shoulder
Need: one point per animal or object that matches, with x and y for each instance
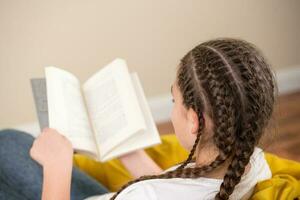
(260, 169)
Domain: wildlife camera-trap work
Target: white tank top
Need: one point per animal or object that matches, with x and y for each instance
(195, 189)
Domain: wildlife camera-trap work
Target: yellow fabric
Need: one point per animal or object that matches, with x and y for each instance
(285, 181)
(113, 174)
(284, 184)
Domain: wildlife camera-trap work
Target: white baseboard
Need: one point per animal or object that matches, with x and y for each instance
(288, 81)
(30, 127)
(161, 107)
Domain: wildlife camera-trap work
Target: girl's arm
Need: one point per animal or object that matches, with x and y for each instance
(56, 183)
(55, 153)
(138, 163)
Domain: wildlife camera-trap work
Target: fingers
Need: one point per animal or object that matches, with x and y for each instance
(52, 131)
(55, 135)
(33, 152)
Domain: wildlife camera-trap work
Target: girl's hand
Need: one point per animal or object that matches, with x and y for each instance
(51, 149)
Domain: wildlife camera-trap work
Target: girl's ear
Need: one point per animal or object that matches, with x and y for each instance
(193, 121)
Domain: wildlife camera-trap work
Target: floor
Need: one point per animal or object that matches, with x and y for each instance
(283, 137)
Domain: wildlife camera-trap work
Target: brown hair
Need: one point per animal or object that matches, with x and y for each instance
(230, 81)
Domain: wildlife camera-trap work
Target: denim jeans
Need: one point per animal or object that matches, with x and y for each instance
(22, 178)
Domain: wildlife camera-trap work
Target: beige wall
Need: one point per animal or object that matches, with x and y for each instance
(81, 36)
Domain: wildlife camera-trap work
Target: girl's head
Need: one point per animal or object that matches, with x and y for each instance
(223, 96)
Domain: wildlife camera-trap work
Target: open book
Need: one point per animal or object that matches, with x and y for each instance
(106, 117)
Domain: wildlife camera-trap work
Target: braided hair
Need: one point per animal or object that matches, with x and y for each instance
(230, 81)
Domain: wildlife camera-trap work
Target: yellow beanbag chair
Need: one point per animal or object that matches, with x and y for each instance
(285, 181)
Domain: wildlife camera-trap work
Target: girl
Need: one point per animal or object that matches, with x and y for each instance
(223, 99)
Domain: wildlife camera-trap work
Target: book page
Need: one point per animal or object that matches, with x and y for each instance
(112, 105)
(143, 138)
(67, 112)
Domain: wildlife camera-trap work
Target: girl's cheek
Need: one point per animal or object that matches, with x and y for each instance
(173, 114)
(175, 118)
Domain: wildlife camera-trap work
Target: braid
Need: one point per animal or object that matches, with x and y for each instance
(229, 81)
(225, 128)
(254, 85)
(191, 154)
(186, 77)
(221, 96)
